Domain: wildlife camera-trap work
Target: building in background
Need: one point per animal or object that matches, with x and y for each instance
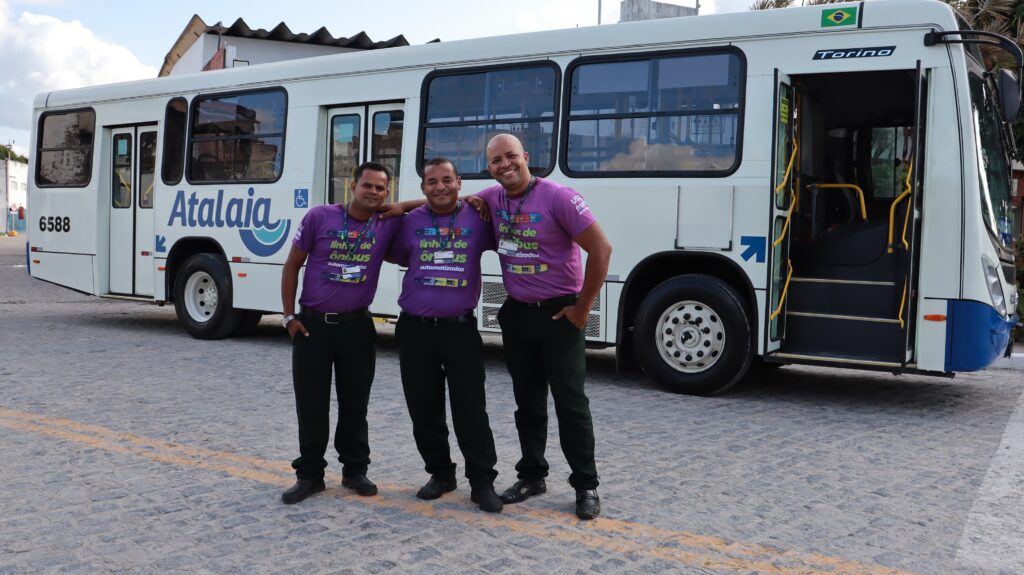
(202, 47)
(635, 10)
(13, 194)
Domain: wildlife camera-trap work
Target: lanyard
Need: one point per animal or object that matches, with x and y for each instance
(352, 247)
(512, 219)
(445, 243)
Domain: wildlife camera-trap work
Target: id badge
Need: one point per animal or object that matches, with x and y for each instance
(351, 272)
(445, 257)
(508, 248)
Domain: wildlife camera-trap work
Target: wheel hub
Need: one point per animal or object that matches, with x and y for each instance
(201, 297)
(691, 336)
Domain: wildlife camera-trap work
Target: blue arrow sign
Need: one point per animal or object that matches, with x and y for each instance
(161, 244)
(757, 246)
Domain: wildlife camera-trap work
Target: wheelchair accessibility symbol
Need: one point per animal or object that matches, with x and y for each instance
(301, 197)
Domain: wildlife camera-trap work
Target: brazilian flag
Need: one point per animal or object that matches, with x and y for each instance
(839, 17)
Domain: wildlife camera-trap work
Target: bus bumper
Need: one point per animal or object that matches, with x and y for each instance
(976, 335)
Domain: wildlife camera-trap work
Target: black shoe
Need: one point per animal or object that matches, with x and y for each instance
(588, 504)
(302, 489)
(435, 488)
(487, 499)
(360, 484)
(523, 490)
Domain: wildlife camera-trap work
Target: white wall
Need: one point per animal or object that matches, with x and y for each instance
(253, 50)
(14, 180)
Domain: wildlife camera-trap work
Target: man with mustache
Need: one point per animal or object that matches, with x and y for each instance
(441, 243)
(343, 247)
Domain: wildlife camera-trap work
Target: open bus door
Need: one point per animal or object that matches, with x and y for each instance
(785, 152)
(911, 225)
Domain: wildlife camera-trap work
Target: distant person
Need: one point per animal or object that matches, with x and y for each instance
(343, 248)
(540, 226)
(441, 243)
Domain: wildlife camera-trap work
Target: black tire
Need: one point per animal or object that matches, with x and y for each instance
(250, 322)
(693, 335)
(203, 297)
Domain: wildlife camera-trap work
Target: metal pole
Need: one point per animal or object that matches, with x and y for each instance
(598, 12)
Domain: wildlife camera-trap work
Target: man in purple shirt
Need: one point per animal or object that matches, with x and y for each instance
(441, 243)
(343, 248)
(540, 227)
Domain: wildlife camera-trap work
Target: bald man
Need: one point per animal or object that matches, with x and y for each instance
(540, 227)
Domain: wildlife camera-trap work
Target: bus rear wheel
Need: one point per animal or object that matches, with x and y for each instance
(203, 297)
(693, 335)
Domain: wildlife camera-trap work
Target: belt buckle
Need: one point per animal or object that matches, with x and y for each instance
(329, 316)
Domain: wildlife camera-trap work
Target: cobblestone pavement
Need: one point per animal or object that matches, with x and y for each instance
(129, 447)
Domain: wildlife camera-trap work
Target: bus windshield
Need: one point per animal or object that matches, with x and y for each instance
(993, 163)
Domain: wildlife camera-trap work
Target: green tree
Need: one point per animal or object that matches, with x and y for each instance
(7, 153)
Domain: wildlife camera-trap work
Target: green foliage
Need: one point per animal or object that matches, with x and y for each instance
(7, 153)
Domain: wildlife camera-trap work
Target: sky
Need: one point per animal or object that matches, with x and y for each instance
(59, 44)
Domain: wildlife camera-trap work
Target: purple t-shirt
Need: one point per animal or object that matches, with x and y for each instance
(448, 286)
(547, 261)
(331, 283)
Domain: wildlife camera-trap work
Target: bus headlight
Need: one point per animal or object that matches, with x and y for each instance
(995, 286)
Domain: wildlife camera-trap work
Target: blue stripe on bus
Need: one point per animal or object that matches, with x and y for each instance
(976, 335)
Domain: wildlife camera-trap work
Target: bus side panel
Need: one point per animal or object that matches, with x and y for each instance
(69, 270)
(931, 335)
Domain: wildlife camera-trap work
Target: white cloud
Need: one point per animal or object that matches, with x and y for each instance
(42, 53)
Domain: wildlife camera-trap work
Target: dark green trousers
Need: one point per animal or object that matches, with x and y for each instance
(346, 349)
(429, 354)
(542, 353)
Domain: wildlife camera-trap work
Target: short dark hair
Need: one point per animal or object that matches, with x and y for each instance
(441, 160)
(374, 166)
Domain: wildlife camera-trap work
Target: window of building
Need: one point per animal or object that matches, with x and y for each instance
(237, 137)
(64, 150)
(175, 122)
(465, 109)
(677, 114)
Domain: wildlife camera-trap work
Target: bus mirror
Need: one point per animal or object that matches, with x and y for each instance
(1009, 95)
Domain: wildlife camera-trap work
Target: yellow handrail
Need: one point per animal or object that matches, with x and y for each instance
(792, 198)
(789, 168)
(903, 301)
(892, 211)
(785, 290)
(854, 187)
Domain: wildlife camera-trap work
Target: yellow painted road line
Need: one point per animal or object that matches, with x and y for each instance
(604, 534)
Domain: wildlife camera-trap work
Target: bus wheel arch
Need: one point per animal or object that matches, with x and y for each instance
(653, 294)
(199, 281)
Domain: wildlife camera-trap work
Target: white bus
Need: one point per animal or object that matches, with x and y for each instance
(824, 185)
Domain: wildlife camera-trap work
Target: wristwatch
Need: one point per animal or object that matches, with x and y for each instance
(286, 319)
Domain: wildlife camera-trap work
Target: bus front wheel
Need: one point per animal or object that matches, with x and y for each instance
(203, 298)
(693, 335)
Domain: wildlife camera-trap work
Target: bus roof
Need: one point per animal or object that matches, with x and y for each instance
(650, 34)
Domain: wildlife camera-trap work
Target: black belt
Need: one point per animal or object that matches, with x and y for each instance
(560, 301)
(467, 317)
(335, 318)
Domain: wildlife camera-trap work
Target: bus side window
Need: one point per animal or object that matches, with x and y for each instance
(463, 110)
(64, 150)
(678, 114)
(386, 144)
(175, 120)
(237, 137)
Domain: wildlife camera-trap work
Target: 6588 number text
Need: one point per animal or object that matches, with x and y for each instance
(54, 224)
